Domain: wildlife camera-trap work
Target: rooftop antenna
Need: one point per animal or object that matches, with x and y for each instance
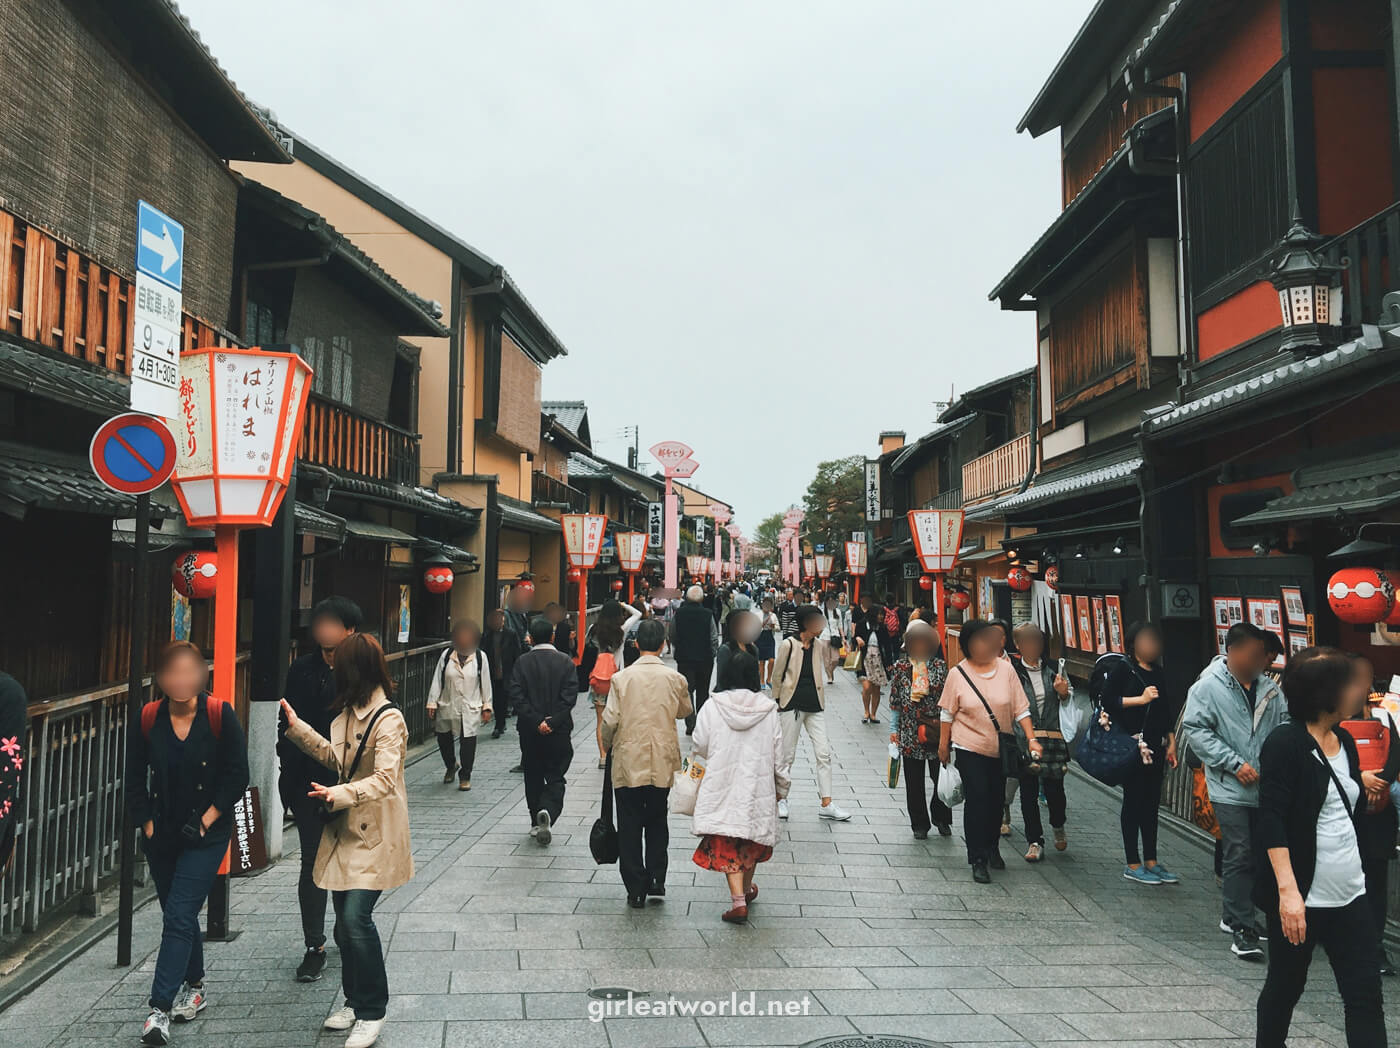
(940, 406)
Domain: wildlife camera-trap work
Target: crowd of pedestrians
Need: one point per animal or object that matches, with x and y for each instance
(1306, 834)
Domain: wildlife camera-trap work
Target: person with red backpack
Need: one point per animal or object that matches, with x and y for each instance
(186, 767)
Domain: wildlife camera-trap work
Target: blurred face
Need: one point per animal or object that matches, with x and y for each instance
(516, 599)
(1248, 658)
(466, 638)
(918, 645)
(813, 625)
(184, 677)
(767, 603)
(1148, 646)
(1031, 644)
(1354, 698)
(496, 620)
(328, 631)
(554, 614)
(743, 626)
(986, 645)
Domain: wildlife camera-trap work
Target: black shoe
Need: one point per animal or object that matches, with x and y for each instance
(945, 829)
(657, 890)
(1387, 965)
(450, 774)
(517, 769)
(1244, 944)
(311, 965)
(637, 902)
(980, 874)
(996, 862)
(497, 734)
(921, 835)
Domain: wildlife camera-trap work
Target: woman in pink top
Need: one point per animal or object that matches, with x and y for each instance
(982, 687)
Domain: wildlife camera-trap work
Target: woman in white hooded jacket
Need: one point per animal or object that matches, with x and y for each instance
(738, 737)
(459, 701)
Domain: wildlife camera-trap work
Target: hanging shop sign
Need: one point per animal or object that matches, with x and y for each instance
(872, 489)
(937, 534)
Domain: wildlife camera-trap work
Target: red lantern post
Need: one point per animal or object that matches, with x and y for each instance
(583, 544)
(855, 564)
(632, 554)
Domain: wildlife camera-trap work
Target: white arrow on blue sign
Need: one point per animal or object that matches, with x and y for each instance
(160, 245)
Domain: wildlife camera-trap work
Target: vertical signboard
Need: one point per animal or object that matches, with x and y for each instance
(157, 312)
(656, 526)
(872, 489)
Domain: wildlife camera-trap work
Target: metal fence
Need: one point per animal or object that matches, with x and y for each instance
(70, 800)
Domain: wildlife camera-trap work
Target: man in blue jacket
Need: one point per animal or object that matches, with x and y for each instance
(1230, 711)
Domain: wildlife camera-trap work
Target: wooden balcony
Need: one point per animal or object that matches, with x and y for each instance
(998, 471)
(551, 491)
(338, 438)
(1373, 251)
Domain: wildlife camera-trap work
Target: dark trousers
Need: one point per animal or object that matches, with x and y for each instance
(642, 836)
(502, 706)
(1031, 785)
(697, 678)
(984, 790)
(449, 759)
(183, 876)
(1348, 935)
(1142, 802)
(924, 814)
(362, 974)
(544, 760)
(1377, 870)
(311, 900)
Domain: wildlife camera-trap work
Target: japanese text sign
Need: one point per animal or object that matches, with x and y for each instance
(855, 558)
(937, 534)
(631, 550)
(583, 538)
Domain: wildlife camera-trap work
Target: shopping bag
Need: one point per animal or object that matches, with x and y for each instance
(686, 787)
(892, 773)
(853, 660)
(1074, 719)
(1108, 753)
(950, 785)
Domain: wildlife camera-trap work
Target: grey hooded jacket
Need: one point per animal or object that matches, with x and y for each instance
(1221, 730)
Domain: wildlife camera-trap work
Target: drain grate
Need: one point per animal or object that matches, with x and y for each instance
(882, 1040)
(615, 993)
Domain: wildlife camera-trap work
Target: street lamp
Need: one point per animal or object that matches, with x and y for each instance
(583, 544)
(1309, 291)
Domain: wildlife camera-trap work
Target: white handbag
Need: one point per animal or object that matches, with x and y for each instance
(686, 787)
(950, 785)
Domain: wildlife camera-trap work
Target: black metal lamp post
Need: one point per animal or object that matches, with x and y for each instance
(1309, 291)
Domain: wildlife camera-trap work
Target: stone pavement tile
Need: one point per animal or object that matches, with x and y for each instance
(1032, 1000)
(517, 939)
(772, 1032)
(520, 904)
(820, 913)
(945, 1028)
(1074, 954)
(740, 952)
(978, 955)
(525, 1033)
(857, 933)
(653, 1032)
(766, 931)
(1237, 1042)
(1176, 998)
(801, 978)
(441, 1006)
(542, 980)
(1129, 1026)
(580, 958)
(712, 981)
(1043, 1028)
(25, 1035)
(854, 956)
(643, 936)
(949, 977)
(922, 1001)
(1094, 975)
(418, 939)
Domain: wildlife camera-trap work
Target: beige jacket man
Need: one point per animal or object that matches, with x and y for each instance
(367, 844)
(787, 668)
(639, 723)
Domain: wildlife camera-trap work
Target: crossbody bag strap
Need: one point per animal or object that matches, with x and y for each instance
(364, 740)
(608, 790)
(995, 723)
(1336, 780)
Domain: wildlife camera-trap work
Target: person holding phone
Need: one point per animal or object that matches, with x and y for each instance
(187, 765)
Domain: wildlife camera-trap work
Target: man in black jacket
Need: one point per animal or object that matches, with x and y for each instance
(310, 690)
(695, 640)
(543, 690)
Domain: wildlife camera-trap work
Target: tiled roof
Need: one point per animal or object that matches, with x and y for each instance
(47, 480)
(1271, 380)
(455, 554)
(1106, 472)
(421, 500)
(1357, 485)
(313, 521)
(939, 432)
(29, 368)
(516, 514)
(582, 466)
(571, 414)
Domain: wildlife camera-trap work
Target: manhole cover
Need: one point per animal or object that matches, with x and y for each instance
(881, 1040)
(614, 993)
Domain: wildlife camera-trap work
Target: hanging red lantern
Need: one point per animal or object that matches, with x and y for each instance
(617, 585)
(195, 575)
(1052, 576)
(438, 578)
(925, 582)
(1019, 579)
(526, 586)
(1361, 596)
(575, 575)
(959, 600)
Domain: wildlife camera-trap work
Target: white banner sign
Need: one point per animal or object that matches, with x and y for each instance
(872, 489)
(937, 534)
(656, 525)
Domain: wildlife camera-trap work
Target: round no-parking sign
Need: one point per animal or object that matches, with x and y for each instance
(133, 453)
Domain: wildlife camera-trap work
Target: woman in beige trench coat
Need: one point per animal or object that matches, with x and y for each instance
(365, 847)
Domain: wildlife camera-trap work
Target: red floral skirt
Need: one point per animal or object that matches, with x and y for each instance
(730, 854)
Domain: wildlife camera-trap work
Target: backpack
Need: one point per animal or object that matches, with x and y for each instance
(213, 710)
(446, 658)
(600, 678)
(1098, 676)
(892, 621)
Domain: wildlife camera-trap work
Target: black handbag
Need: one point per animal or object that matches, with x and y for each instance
(602, 839)
(1012, 761)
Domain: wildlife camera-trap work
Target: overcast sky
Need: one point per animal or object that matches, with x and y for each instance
(765, 228)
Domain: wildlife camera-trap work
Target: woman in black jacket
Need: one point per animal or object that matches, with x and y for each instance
(187, 765)
(1310, 881)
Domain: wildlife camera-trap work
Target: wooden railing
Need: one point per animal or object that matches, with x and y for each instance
(950, 499)
(999, 470)
(547, 490)
(58, 297)
(1373, 250)
(336, 437)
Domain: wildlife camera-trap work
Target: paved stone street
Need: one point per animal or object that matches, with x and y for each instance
(497, 941)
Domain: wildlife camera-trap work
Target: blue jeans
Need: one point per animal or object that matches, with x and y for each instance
(183, 874)
(362, 974)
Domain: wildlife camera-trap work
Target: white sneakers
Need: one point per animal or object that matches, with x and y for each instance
(363, 1032)
(782, 808)
(542, 832)
(834, 812)
(189, 1002)
(157, 1028)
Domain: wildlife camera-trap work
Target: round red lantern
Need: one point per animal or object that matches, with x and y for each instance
(959, 600)
(574, 575)
(1019, 579)
(1052, 576)
(195, 575)
(524, 586)
(438, 579)
(617, 585)
(925, 582)
(1361, 596)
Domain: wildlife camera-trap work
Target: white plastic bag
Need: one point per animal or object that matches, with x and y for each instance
(1074, 719)
(686, 787)
(950, 786)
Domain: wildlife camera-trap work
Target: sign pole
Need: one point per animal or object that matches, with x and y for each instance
(225, 676)
(672, 542)
(938, 610)
(582, 614)
(134, 687)
(631, 584)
